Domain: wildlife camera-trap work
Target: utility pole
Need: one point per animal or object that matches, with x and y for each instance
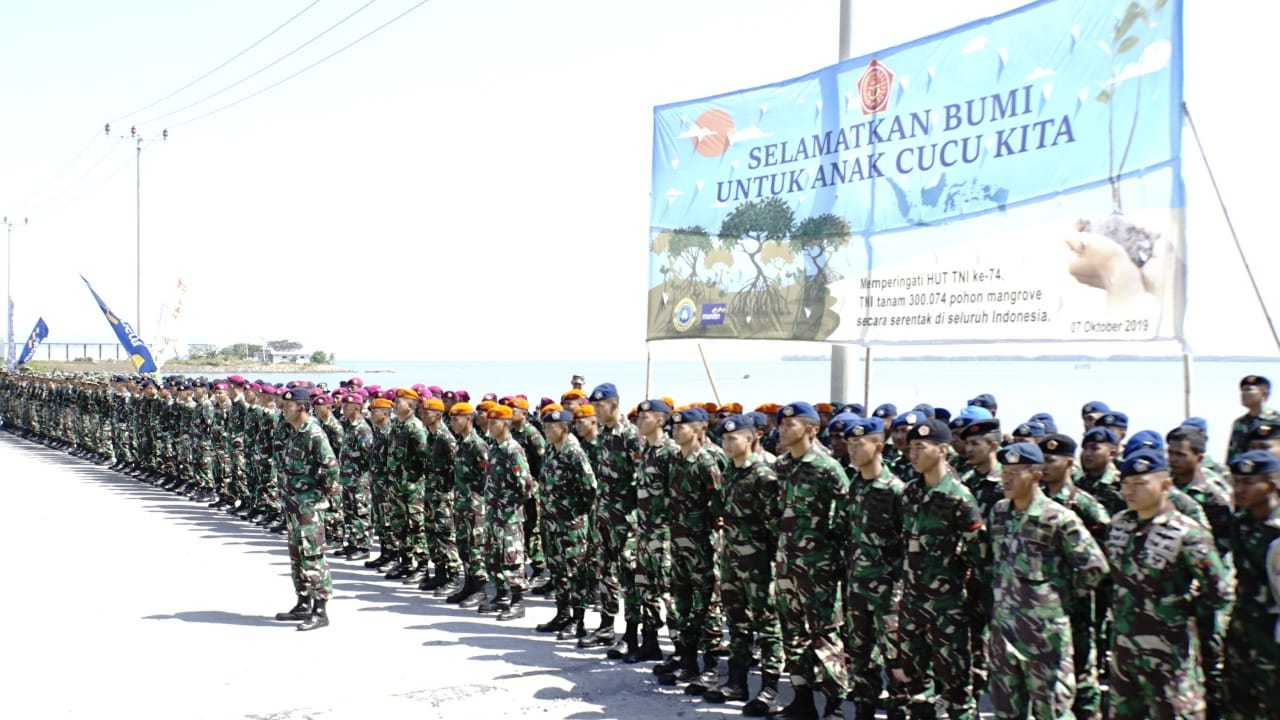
(840, 365)
(8, 289)
(138, 140)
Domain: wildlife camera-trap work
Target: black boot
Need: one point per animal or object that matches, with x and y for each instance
(540, 585)
(672, 662)
(864, 709)
(687, 672)
(574, 630)
(463, 591)
(514, 610)
(602, 636)
(301, 611)
(451, 585)
(560, 621)
(765, 702)
(802, 707)
(476, 596)
(344, 551)
(418, 574)
(648, 649)
(319, 618)
(834, 707)
(500, 601)
(431, 583)
(406, 568)
(389, 559)
(382, 557)
(629, 642)
(358, 553)
(708, 679)
(734, 688)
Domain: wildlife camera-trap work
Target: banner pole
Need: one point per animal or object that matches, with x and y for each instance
(866, 381)
(1186, 385)
(648, 371)
(706, 366)
(840, 353)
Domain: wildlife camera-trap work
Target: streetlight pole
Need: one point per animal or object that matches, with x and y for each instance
(8, 289)
(138, 140)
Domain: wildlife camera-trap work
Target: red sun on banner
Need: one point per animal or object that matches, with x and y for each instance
(716, 127)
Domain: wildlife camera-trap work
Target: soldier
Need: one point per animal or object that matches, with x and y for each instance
(508, 485)
(535, 448)
(468, 510)
(322, 408)
(653, 536)
(1255, 390)
(380, 422)
(309, 472)
(1091, 411)
(1253, 637)
(812, 539)
(1043, 560)
(986, 401)
(442, 541)
(406, 468)
(1162, 564)
(568, 495)
(354, 459)
(1117, 422)
(873, 586)
(981, 441)
(946, 543)
(1098, 477)
(1211, 465)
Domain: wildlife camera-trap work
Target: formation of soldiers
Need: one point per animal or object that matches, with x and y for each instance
(902, 561)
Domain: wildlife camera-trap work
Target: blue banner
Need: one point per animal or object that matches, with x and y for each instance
(38, 334)
(138, 352)
(1014, 179)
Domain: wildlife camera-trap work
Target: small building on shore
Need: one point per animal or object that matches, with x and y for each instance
(297, 357)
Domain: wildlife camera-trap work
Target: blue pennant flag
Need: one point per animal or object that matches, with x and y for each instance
(38, 334)
(137, 349)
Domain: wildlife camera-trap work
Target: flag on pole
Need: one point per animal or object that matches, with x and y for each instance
(138, 352)
(38, 334)
(170, 315)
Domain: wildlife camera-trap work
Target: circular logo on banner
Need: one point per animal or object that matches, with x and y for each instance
(685, 315)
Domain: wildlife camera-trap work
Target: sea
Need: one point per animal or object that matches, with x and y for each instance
(1151, 391)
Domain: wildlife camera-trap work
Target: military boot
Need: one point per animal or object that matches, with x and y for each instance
(560, 621)
(647, 650)
(540, 585)
(708, 679)
(451, 585)
(471, 594)
(431, 583)
(602, 636)
(513, 610)
(319, 618)
(489, 607)
(574, 630)
(387, 561)
(406, 568)
(301, 611)
(358, 553)
(834, 707)
(383, 557)
(686, 672)
(344, 551)
(672, 662)
(419, 574)
(801, 707)
(734, 688)
(627, 644)
(864, 709)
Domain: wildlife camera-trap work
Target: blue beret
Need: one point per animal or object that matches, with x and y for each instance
(985, 401)
(1094, 406)
(931, 429)
(1255, 380)
(924, 408)
(738, 422)
(1254, 462)
(884, 410)
(1046, 420)
(798, 409)
(911, 418)
(689, 415)
(1114, 419)
(855, 408)
(974, 428)
(942, 414)
(1058, 444)
(958, 422)
(1143, 439)
(1030, 429)
(1023, 453)
(604, 391)
(865, 426)
(1101, 435)
(760, 419)
(1197, 423)
(298, 394)
(840, 423)
(1142, 462)
(558, 416)
(975, 412)
(655, 405)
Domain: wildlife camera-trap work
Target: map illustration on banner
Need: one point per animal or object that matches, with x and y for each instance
(1015, 179)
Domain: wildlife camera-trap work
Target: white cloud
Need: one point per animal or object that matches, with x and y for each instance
(977, 43)
(697, 132)
(1155, 57)
(1039, 73)
(748, 133)
(674, 193)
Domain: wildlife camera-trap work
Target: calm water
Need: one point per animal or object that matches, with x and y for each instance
(1151, 392)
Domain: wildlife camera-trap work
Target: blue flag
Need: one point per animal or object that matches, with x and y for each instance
(38, 334)
(137, 349)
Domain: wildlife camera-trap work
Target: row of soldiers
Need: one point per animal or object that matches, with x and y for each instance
(892, 552)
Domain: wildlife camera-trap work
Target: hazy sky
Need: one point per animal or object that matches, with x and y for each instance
(472, 181)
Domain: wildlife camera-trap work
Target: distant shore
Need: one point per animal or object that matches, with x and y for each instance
(185, 368)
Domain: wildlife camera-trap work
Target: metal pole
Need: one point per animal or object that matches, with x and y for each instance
(840, 353)
(706, 366)
(137, 318)
(1186, 385)
(648, 372)
(8, 292)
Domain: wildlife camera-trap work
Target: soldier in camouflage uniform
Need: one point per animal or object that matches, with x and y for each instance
(469, 466)
(322, 409)
(873, 586)
(1253, 637)
(981, 441)
(354, 458)
(946, 543)
(535, 448)
(219, 440)
(442, 542)
(653, 532)
(201, 429)
(1162, 564)
(406, 493)
(812, 526)
(507, 486)
(1255, 390)
(380, 423)
(568, 494)
(1043, 561)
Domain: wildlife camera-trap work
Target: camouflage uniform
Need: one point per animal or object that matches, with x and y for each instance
(442, 544)
(1044, 562)
(946, 543)
(1160, 568)
(1246, 424)
(309, 470)
(468, 485)
(1217, 504)
(568, 495)
(692, 482)
(987, 491)
(355, 457)
(333, 521)
(535, 448)
(619, 451)
(380, 490)
(653, 536)
(812, 526)
(406, 492)
(1253, 637)
(507, 485)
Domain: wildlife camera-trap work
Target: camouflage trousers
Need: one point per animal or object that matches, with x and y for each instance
(357, 516)
(121, 449)
(1033, 668)
(871, 636)
(1211, 625)
(614, 560)
(746, 594)
(442, 544)
(505, 554)
(407, 516)
(533, 534)
(692, 582)
(380, 489)
(267, 491)
(566, 558)
(809, 611)
(1088, 704)
(220, 464)
(976, 619)
(653, 578)
(1149, 682)
(237, 484)
(470, 532)
(306, 551)
(1252, 667)
(202, 465)
(934, 637)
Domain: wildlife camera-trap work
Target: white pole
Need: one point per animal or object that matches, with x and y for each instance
(840, 353)
(648, 372)
(707, 366)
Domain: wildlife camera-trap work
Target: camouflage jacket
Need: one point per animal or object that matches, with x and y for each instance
(568, 491)
(535, 446)
(333, 430)
(878, 516)
(812, 522)
(1044, 561)
(309, 469)
(748, 502)
(469, 466)
(407, 450)
(378, 451)
(1255, 546)
(442, 448)
(220, 431)
(986, 488)
(651, 486)
(946, 541)
(620, 451)
(693, 483)
(1218, 506)
(357, 449)
(507, 483)
(1184, 504)
(1085, 506)
(1104, 488)
(1161, 569)
(1246, 424)
(206, 420)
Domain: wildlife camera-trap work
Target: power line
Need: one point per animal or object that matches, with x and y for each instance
(296, 74)
(235, 57)
(58, 175)
(84, 176)
(261, 69)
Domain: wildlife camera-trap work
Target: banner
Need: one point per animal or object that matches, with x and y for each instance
(1014, 179)
(138, 352)
(38, 334)
(168, 327)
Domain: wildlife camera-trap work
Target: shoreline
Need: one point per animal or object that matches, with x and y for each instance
(182, 368)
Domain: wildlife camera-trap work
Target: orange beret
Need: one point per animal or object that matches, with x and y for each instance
(824, 407)
(551, 406)
(710, 407)
(574, 393)
(520, 403)
(733, 407)
(461, 408)
(584, 412)
(485, 405)
(499, 412)
(435, 404)
(379, 403)
(408, 393)
(668, 401)
(768, 408)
